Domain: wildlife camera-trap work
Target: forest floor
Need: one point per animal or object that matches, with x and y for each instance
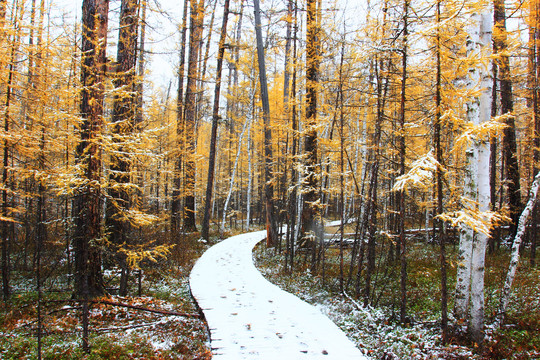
(116, 332)
(376, 330)
(124, 333)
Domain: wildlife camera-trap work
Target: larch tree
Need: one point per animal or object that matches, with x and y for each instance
(86, 206)
(87, 202)
(310, 222)
(190, 113)
(401, 146)
(179, 154)
(534, 81)
(12, 39)
(511, 176)
(122, 127)
(268, 158)
(215, 121)
(438, 224)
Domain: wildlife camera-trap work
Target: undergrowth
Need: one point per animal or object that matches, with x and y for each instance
(115, 332)
(375, 328)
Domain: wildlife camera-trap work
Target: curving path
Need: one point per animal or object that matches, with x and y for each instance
(250, 318)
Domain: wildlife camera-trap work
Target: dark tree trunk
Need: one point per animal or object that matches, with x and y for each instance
(509, 146)
(293, 208)
(87, 204)
(438, 224)
(342, 170)
(268, 173)
(369, 223)
(176, 202)
(140, 64)
(40, 237)
(6, 236)
(215, 121)
(534, 61)
(493, 145)
(122, 126)
(401, 195)
(310, 226)
(190, 113)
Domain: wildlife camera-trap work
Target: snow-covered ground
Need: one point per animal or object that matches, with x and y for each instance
(250, 318)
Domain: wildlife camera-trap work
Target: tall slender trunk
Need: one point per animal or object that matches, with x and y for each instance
(369, 221)
(87, 202)
(268, 158)
(247, 125)
(141, 62)
(401, 195)
(471, 260)
(495, 231)
(180, 131)
(514, 260)
(293, 196)
(439, 225)
(6, 291)
(534, 60)
(310, 226)
(342, 169)
(190, 113)
(7, 232)
(122, 127)
(509, 147)
(215, 121)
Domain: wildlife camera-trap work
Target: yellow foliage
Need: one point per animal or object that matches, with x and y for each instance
(420, 174)
(479, 221)
(481, 133)
(144, 252)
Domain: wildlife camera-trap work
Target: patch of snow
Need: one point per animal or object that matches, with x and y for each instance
(250, 318)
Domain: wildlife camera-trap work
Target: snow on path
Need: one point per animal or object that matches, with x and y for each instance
(250, 318)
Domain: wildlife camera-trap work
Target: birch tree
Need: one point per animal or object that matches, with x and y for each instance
(514, 259)
(469, 305)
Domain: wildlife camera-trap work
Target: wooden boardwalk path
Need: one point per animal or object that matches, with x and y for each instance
(250, 318)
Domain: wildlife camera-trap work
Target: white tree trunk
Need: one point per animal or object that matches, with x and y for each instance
(472, 249)
(233, 176)
(250, 180)
(514, 260)
(483, 148)
(463, 276)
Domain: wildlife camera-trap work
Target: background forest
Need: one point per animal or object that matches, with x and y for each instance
(415, 123)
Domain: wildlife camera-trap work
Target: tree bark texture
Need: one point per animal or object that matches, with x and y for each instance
(310, 226)
(471, 257)
(509, 146)
(122, 127)
(268, 157)
(215, 122)
(514, 260)
(177, 178)
(401, 141)
(190, 113)
(441, 233)
(87, 202)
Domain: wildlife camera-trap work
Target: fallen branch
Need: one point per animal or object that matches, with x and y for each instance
(514, 260)
(123, 328)
(136, 307)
